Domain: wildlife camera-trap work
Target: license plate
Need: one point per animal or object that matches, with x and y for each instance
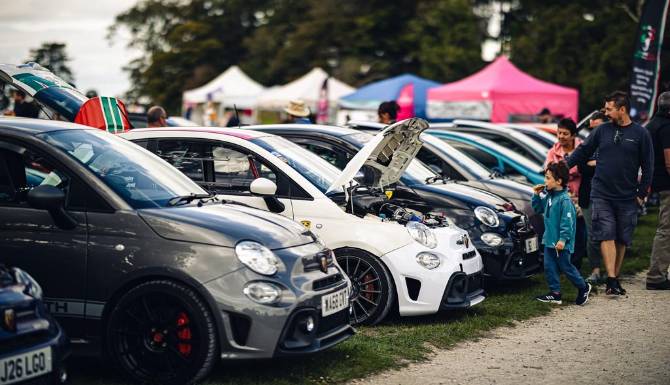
(531, 245)
(25, 366)
(334, 302)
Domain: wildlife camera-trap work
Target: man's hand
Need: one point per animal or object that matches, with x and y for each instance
(591, 163)
(560, 245)
(640, 201)
(538, 188)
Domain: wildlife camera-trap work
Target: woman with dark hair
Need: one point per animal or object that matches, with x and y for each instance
(388, 112)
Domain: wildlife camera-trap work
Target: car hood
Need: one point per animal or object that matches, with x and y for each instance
(517, 193)
(470, 195)
(225, 225)
(389, 152)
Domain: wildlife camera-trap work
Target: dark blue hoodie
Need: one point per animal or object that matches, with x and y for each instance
(616, 175)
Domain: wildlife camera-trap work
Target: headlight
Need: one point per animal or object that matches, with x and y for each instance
(492, 239)
(33, 289)
(428, 260)
(257, 257)
(264, 293)
(422, 234)
(487, 216)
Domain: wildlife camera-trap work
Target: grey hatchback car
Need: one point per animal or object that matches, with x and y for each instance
(139, 263)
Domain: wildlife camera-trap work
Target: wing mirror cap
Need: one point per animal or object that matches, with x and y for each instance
(263, 187)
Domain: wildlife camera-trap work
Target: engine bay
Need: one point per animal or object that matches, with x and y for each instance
(362, 201)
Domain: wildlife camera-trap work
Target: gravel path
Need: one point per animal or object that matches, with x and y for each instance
(608, 341)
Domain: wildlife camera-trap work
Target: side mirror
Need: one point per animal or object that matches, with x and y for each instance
(263, 187)
(51, 199)
(267, 189)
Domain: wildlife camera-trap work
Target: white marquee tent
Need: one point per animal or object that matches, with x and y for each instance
(232, 87)
(306, 88)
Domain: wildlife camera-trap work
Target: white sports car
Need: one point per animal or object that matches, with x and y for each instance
(391, 254)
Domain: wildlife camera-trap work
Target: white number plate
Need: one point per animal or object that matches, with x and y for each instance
(334, 302)
(25, 366)
(531, 245)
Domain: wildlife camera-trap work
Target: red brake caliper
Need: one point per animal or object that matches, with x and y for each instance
(369, 286)
(184, 334)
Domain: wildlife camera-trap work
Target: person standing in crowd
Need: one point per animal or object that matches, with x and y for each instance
(156, 117)
(22, 108)
(616, 193)
(388, 112)
(545, 116)
(297, 112)
(564, 146)
(210, 117)
(659, 130)
(553, 201)
(587, 170)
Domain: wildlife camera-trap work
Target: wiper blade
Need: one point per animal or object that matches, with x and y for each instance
(187, 198)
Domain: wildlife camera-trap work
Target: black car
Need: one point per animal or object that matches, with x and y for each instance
(503, 236)
(460, 167)
(137, 259)
(33, 347)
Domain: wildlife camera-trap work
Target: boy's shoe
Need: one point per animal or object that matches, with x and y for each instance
(622, 291)
(583, 295)
(665, 285)
(550, 297)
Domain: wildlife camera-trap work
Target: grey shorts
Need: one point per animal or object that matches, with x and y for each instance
(613, 220)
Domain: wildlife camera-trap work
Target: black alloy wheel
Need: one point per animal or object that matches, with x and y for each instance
(372, 289)
(162, 332)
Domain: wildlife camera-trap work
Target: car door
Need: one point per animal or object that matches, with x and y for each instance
(226, 170)
(30, 239)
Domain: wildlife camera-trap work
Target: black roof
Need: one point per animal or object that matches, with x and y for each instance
(37, 126)
(314, 128)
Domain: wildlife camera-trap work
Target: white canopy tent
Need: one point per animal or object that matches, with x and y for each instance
(232, 87)
(306, 88)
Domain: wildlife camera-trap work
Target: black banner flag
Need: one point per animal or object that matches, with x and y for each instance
(647, 59)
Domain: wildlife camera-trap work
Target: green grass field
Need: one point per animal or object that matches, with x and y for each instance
(397, 341)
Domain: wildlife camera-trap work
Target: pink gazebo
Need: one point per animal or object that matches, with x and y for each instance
(497, 91)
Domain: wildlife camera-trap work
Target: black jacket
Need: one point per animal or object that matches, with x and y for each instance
(659, 130)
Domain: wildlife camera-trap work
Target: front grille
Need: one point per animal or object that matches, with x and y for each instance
(328, 282)
(469, 254)
(333, 321)
(23, 341)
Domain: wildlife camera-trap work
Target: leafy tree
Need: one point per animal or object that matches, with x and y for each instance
(53, 57)
(587, 45)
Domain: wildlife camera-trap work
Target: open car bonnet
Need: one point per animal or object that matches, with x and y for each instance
(389, 152)
(46, 88)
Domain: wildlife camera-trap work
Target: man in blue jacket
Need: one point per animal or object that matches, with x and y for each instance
(624, 147)
(560, 218)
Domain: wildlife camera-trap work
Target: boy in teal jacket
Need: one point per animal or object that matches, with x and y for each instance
(560, 217)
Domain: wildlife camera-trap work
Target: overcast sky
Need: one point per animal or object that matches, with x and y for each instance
(82, 26)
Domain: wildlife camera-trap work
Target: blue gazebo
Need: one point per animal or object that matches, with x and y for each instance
(408, 90)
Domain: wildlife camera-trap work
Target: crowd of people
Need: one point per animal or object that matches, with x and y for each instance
(596, 187)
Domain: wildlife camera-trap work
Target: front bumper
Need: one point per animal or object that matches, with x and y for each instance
(53, 338)
(463, 291)
(249, 330)
(510, 261)
(420, 290)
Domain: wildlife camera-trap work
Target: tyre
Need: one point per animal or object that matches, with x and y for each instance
(373, 292)
(162, 332)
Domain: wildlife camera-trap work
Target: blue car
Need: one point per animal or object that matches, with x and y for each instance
(33, 346)
(497, 158)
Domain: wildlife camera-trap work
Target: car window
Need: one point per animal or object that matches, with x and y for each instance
(489, 161)
(335, 156)
(234, 170)
(20, 173)
(436, 164)
(187, 156)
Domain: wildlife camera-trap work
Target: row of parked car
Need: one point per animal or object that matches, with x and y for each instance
(167, 249)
